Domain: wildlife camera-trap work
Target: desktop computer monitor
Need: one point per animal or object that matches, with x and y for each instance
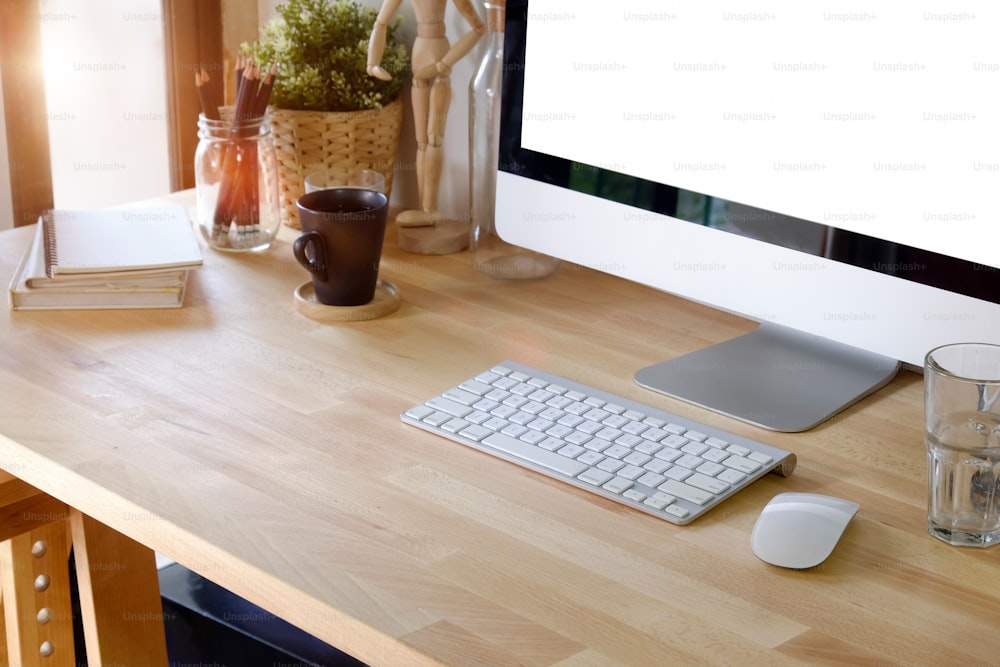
(831, 171)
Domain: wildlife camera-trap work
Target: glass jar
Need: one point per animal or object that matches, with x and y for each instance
(493, 256)
(236, 180)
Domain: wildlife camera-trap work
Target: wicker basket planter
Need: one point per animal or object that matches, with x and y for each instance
(332, 141)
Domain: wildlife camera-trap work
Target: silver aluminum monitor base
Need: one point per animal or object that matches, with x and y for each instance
(774, 377)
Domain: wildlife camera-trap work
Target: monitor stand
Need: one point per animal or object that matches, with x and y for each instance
(774, 377)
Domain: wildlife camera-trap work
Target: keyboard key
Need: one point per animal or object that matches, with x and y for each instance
(437, 418)
(476, 387)
(596, 444)
(505, 383)
(656, 465)
(495, 423)
(695, 448)
(678, 473)
(759, 457)
(419, 412)
(560, 431)
(532, 407)
(709, 468)
(558, 402)
(631, 472)
(617, 451)
(676, 511)
(732, 476)
(651, 479)
(475, 432)
(637, 458)
(454, 425)
(551, 444)
(532, 437)
(657, 500)
(595, 476)
(515, 401)
(674, 440)
(615, 421)
(654, 434)
(448, 406)
(523, 450)
(522, 389)
(705, 483)
(570, 451)
(618, 485)
(540, 425)
(611, 465)
(513, 430)
(591, 458)
(648, 447)
(628, 440)
(634, 495)
(635, 428)
(570, 420)
(552, 414)
(688, 461)
(741, 464)
(688, 493)
(713, 455)
(609, 433)
(461, 396)
(668, 455)
(477, 417)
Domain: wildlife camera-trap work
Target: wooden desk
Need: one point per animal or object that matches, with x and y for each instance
(263, 450)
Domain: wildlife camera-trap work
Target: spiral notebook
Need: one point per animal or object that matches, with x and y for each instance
(120, 258)
(108, 242)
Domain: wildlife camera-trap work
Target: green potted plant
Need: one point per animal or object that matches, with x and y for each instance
(327, 112)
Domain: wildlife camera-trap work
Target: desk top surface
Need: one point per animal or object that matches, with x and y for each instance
(264, 450)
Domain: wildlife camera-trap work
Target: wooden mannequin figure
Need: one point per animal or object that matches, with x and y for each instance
(424, 230)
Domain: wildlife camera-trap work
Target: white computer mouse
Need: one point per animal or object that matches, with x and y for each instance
(799, 530)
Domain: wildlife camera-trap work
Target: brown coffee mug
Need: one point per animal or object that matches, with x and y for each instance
(341, 243)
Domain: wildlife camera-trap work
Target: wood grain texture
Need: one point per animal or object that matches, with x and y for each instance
(263, 449)
(119, 596)
(38, 614)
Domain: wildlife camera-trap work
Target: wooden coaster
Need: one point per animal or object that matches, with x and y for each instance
(386, 301)
(444, 238)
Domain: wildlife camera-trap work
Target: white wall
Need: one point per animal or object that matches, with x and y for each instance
(453, 199)
(105, 95)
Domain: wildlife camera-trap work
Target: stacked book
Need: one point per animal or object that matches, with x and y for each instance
(115, 258)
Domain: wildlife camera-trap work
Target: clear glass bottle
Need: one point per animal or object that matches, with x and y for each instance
(493, 256)
(236, 184)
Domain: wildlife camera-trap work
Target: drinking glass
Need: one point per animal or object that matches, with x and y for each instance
(367, 179)
(962, 420)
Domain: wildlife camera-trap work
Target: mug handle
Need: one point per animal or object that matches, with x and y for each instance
(316, 265)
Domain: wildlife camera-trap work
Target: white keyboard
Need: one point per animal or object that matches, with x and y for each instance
(654, 461)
